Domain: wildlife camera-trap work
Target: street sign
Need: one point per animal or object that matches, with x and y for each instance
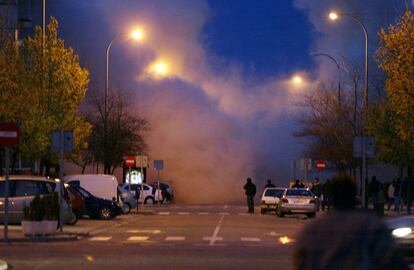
(67, 141)
(305, 163)
(159, 165)
(320, 165)
(9, 134)
(129, 161)
(141, 161)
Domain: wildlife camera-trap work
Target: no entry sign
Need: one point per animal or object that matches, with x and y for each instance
(9, 134)
(320, 165)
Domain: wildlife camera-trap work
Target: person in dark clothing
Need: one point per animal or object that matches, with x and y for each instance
(317, 191)
(298, 184)
(346, 238)
(250, 191)
(327, 195)
(166, 196)
(269, 184)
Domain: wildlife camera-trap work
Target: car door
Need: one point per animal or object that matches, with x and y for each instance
(24, 192)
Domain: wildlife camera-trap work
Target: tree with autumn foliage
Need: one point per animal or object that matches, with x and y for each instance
(392, 121)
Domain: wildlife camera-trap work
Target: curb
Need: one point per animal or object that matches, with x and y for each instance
(55, 238)
(3, 265)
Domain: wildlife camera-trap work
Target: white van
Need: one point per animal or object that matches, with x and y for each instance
(100, 185)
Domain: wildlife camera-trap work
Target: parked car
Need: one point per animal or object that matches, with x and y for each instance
(162, 185)
(97, 208)
(150, 194)
(297, 200)
(100, 185)
(22, 190)
(127, 199)
(270, 199)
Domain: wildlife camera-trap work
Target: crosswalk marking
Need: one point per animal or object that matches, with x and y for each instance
(100, 238)
(164, 213)
(224, 213)
(138, 238)
(175, 238)
(250, 239)
(209, 238)
(144, 231)
(183, 213)
(203, 213)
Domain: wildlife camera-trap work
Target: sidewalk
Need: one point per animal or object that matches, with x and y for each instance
(83, 228)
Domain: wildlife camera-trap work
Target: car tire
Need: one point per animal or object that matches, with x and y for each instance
(311, 215)
(105, 213)
(280, 213)
(74, 219)
(126, 208)
(149, 200)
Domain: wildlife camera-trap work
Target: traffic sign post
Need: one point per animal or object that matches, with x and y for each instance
(9, 136)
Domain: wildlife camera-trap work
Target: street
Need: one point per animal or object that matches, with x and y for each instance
(173, 237)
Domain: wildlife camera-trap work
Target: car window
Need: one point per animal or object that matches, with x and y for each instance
(2, 187)
(83, 192)
(298, 192)
(274, 192)
(29, 188)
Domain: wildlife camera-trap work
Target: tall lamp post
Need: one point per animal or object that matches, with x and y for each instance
(338, 69)
(136, 35)
(335, 16)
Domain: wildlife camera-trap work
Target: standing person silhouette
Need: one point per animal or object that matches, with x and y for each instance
(250, 191)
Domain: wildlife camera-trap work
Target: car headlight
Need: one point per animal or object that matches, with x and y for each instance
(401, 232)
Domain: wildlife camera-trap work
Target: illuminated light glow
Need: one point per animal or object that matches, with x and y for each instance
(159, 69)
(89, 258)
(137, 34)
(285, 240)
(297, 79)
(401, 232)
(333, 16)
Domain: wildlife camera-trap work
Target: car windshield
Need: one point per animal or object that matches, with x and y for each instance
(298, 192)
(274, 192)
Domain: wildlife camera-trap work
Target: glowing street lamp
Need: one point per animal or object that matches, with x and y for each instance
(334, 16)
(159, 69)
(297, 80)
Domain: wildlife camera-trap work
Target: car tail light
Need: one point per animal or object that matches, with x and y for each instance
(312, 201)
(284, 200)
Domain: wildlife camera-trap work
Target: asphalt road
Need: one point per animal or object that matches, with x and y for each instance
(175, 237)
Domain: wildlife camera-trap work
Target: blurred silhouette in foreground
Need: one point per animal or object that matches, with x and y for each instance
(346, 238)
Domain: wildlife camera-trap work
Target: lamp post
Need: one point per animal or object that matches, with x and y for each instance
(338, 69)
(334, 16)
(136, 35)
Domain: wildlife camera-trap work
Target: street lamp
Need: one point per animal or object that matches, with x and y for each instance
(335, 16)
(137, 35)
(338, 69)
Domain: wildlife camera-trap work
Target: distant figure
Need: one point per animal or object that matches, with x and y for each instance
(327, 195)
(298, 184)
(166, 196)
(374, 191)
(250, 189)
(269, 184)
(317, 191)
(346, 238)
(397, 195)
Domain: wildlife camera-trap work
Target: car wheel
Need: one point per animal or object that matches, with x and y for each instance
(149, 200)
(75, 218)
(311, 215)
(105, 213)
(280, 213)
(126, 208)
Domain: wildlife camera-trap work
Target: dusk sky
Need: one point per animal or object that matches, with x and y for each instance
(226, 111)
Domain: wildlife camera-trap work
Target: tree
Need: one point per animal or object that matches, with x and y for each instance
(328, 124)
(43, 92)
(391, 121)
(124, 133)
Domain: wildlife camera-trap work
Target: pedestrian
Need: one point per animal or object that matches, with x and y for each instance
(390, 194)
(166, 196)
(374, 193)
(269, 184)
(250, 191)
(317, 191)
(298, 184)
(397, 195)
(346, 238)
(326, 191)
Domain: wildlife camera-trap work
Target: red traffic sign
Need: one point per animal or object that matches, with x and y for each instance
(320, 165)
(9, 134)
(129, 161)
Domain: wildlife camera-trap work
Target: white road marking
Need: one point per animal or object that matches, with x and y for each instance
(250, 239)
(224, 213)
(175, 238)
(216, 231)
(203, 213)
(226, 206)
(138, 238)
(183, 213)
(100, 238)
(144, 231)
(209, 238)
(274, 234)
(163, 213)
